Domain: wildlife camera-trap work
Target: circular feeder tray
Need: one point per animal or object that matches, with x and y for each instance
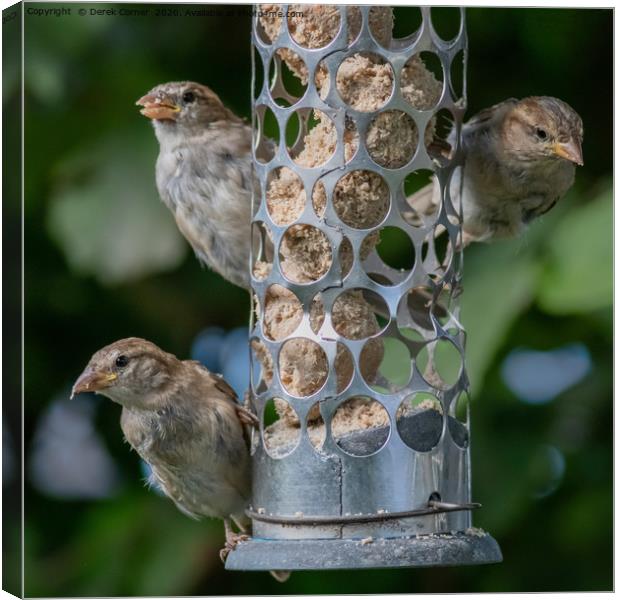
(421, 430)
(436, 550)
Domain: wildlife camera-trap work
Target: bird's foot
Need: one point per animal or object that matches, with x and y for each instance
(247, 417)
(231, 543)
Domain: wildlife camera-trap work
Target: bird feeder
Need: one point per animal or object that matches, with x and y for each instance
(363, 455)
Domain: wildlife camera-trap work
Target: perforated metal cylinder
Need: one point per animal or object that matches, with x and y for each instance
(365, 332)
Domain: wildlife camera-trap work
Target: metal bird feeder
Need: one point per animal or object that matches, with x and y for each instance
(393, 492)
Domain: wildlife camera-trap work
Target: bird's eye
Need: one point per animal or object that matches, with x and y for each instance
(121, 361)
(189, 97)
(541, 134)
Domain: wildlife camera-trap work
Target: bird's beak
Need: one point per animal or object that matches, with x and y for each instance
(159, 106)
(570, 151)
(92, 381)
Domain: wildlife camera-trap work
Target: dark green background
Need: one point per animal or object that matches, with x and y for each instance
(86, 143)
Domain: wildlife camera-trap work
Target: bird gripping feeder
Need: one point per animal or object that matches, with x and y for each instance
(369, 463)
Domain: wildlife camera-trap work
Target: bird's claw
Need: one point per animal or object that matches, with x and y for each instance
(247, 417)
(231, 544)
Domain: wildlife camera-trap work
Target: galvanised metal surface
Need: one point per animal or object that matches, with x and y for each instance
(440, 550)
(289, 491)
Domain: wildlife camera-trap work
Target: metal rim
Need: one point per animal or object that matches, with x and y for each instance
(433, 507)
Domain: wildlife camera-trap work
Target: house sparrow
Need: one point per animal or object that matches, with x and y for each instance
(204, 173)
(520, 158)
(185, 422)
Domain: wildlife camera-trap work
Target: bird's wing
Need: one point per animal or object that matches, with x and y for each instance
(487, 115)
(223, 386)
(213, 196)
(246, 417)
(480, 121)
(217, 381)
(223, 150)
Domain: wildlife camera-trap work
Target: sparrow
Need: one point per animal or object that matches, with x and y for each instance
(185, 422)
(519, 160)
(204, 173)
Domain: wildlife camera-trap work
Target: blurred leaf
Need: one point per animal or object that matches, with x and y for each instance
(165, 570)
(44, 77)
(589, 514)
(396, 363)
(499, 284)
(579, 275)
(107, 217)
(136, 544)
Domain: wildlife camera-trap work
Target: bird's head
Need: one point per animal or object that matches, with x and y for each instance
(132, 372)
(542, 128)
(182, 107)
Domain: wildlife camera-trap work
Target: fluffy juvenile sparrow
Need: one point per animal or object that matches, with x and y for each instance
(185, 423)
(204, 173)
(520, 158)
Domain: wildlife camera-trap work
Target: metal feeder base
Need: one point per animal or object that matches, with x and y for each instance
(438, 550)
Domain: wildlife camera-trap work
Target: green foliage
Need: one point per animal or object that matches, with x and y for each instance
(500, 286)
(105, 225)
(579, 274)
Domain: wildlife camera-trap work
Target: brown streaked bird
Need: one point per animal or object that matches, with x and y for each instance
(520, 158)
(185, 422)
(204, 173)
